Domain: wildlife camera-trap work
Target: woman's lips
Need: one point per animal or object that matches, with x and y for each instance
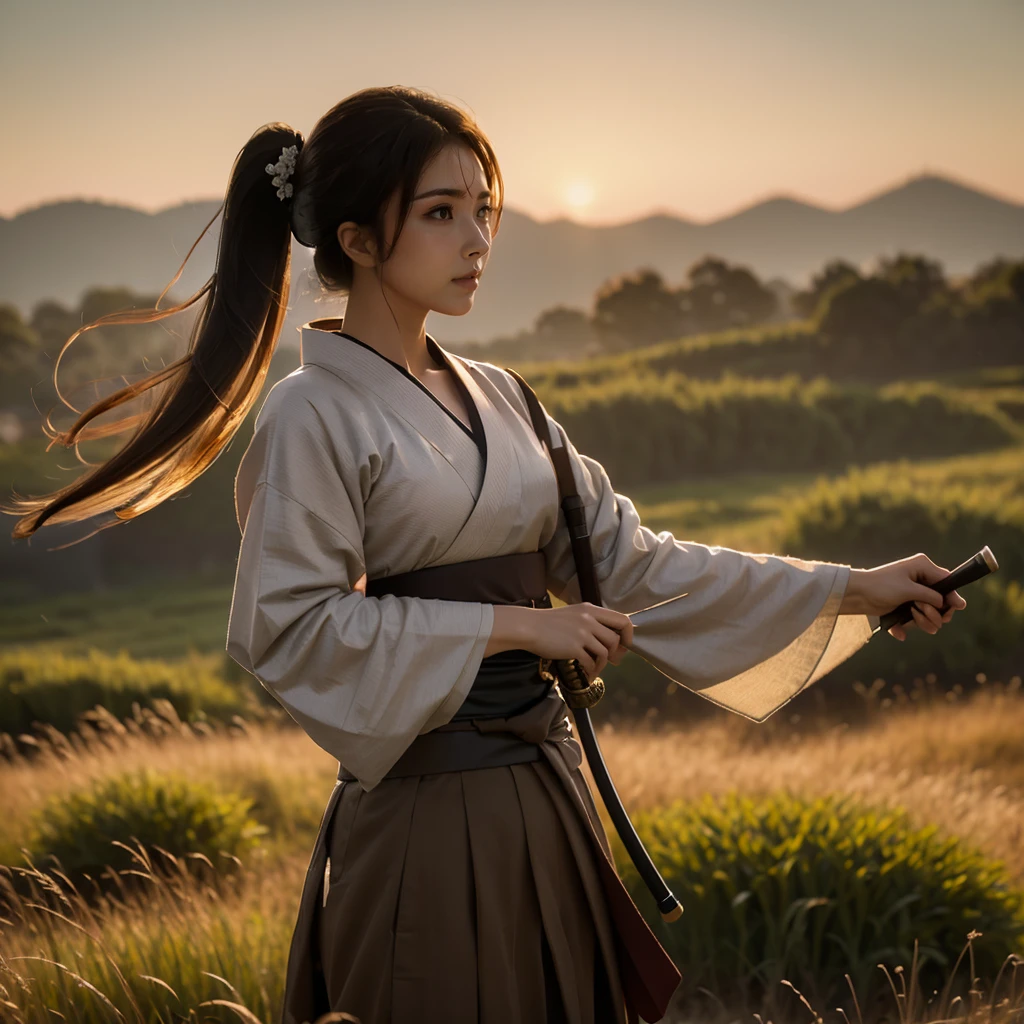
(466, 282)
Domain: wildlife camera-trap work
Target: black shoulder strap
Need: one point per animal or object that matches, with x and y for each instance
(533, 404)
(559, 456)
(572, 503)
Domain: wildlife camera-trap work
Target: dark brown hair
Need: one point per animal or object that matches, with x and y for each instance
(370, 146)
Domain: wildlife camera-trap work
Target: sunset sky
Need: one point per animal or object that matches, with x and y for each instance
(599, 112)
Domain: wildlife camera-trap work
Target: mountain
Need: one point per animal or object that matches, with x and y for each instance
(57, 250)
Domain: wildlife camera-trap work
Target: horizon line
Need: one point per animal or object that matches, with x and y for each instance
(659, 211)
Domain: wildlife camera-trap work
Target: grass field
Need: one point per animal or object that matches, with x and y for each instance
(954, 761)
(958, 764)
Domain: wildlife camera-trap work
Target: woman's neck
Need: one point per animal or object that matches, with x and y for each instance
(412, 353)
(417, 366)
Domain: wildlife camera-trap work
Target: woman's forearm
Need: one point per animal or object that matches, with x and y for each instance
(853, 602)
(512, 623)
(510, 630)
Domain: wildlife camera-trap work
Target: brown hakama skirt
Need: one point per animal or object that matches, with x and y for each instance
(487, 896)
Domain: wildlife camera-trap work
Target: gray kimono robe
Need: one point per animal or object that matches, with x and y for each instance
(355, 468)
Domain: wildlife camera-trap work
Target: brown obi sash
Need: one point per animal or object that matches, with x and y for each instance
(518, 578)
(484, 732)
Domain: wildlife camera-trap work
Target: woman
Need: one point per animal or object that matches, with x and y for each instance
(401, 533)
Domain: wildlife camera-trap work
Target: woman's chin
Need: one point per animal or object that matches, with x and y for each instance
(454, 307)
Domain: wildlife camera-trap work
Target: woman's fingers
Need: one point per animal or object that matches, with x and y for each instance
(627, 634)
(927, 617)
(926, 620)
(927, 596)
(614, 631)
(954, 603)
(620, 623)
(598, 655)
(609, 637)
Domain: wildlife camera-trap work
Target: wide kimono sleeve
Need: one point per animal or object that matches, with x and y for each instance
(363, 676)
(747, 631)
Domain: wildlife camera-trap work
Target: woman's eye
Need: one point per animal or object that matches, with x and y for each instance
(448, 208)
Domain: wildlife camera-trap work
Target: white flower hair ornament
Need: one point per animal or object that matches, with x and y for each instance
(283, 170)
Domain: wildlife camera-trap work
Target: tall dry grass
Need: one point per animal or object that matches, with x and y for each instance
(957, 763)
(158, 956)
(285, 773)
(954, 761)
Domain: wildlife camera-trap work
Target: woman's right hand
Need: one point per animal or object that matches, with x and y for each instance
(590, 633)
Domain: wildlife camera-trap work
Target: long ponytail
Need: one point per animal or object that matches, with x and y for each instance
(210, 389)
(369, 147)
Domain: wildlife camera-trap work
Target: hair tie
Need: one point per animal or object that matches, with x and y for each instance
(283, 170)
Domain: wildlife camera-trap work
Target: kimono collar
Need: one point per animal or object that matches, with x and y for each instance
(319, 343)
(499, 488)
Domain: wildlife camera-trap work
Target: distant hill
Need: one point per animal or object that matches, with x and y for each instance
(57, 250)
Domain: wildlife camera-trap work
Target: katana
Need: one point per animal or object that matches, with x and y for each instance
(580, 694)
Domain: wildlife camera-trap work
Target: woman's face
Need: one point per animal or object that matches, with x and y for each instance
(444, 237)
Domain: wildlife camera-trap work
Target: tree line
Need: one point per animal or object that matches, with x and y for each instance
(848, 323)
(905, 306)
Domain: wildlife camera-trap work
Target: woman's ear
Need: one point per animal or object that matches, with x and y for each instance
(357, 243)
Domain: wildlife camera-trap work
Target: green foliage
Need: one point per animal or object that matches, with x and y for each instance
(47, 686)
(781, 888)
(152, 617)
(904, 321)
(81, 829)
(883, 513)
(636, 309)
(646, 428)
(721, 295)
(19, 354)
(763, 351)
(873, 516)
(194, 532)
(855, 317)
(834, 276)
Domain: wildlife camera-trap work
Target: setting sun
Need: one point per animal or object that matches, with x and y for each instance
(579, 195)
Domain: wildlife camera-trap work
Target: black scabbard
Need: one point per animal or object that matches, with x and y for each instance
(583, 556)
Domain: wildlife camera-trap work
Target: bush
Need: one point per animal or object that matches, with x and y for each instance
(780, 888)
(53, 688)
(81, 829)
(646, 429)
(886, 512)
(870, 517)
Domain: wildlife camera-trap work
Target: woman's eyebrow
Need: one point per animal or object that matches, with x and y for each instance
(458, 193)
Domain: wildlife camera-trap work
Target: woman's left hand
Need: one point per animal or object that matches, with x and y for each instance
(885, 587)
